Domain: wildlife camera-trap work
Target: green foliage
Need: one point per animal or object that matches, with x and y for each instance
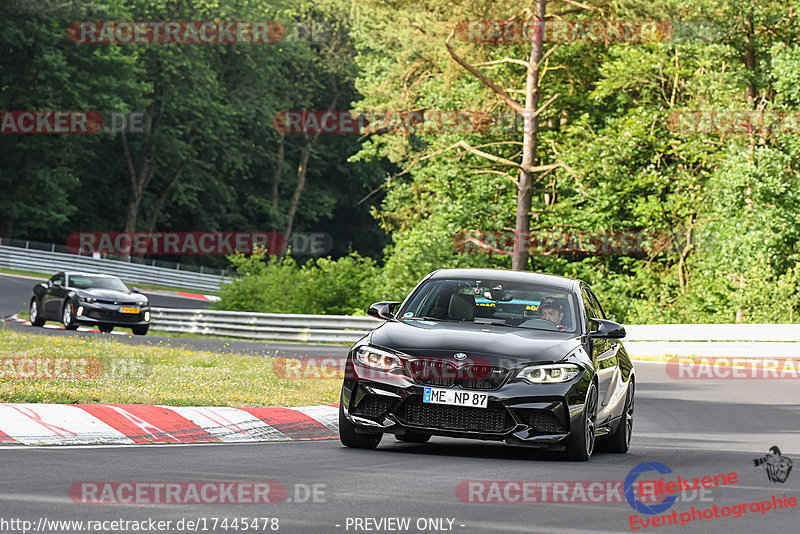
(322, 286)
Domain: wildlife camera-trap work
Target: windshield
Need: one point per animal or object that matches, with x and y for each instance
(493, 302)
(97, 282)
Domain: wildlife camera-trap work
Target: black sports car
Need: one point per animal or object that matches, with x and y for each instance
(90, 299)
(525, 358)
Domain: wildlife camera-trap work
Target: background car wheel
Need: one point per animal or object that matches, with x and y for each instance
(105, 329)
(414, 437)
(582, 446)
(36, 317)
(620, 440)
(68, 317)
(140, 331)
(350, 438)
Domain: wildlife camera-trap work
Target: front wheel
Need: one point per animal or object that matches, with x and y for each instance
(139, 330)
(105, 329)
(36, 317)
(67, 318)
(350, 438)
(582, 446)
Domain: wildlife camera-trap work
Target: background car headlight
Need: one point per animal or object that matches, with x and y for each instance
(547, 374)
(377, 359)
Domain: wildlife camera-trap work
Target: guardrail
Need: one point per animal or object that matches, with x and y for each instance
(732, 340)
(52, 262)
(273, 326)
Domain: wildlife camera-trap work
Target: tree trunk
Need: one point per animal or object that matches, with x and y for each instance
(751, 92)
(302, 169)
(519, 259)
(137, 184)
(276, 175)
(162, 199)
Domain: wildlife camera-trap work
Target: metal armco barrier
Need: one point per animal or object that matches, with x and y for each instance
(274, 326)
(53, 262)
(732, 340)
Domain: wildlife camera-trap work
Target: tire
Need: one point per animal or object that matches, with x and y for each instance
(414, 437)
(105, 329)
(36, 317)
(582, 447)
(620, 441)
(140, 331)
(350, 438)
(67, 316)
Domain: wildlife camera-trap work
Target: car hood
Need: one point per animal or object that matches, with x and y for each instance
(110, 294)
(495, 344)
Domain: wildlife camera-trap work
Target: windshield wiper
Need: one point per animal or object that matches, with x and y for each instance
(431, 319)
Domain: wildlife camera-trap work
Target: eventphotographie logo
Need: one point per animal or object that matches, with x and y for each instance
(775, 464)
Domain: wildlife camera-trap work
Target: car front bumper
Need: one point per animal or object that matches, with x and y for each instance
(87, 313)
(540, 415)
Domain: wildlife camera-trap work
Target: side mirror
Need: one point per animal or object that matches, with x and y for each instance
(607, 329)
(135, 289)
(58, 283)
(383, 310)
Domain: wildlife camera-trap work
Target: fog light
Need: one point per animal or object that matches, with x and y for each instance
(80, 311)
(147, 316)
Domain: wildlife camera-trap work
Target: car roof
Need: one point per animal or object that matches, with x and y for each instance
(508, 275)
(79, 273)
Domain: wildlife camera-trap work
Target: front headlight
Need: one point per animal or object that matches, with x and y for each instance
(90, 300)
(377, 359)
(548, 374)
(142, 303)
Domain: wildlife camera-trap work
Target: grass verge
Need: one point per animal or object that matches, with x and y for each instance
(137, 374)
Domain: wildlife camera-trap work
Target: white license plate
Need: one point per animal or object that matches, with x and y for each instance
(455, 397)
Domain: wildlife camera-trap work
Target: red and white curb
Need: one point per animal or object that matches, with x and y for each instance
(198, 296)
(130, 424)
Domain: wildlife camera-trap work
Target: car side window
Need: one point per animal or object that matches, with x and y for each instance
(590, 310)
(596, 305)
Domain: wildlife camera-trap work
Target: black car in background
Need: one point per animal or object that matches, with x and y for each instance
(75, 298)
(525, 358)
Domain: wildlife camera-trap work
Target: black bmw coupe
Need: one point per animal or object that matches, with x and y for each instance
(525, 358)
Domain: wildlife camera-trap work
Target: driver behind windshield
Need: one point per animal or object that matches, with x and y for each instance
(552, 310)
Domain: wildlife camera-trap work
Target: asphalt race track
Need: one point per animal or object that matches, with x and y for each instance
(696, 428)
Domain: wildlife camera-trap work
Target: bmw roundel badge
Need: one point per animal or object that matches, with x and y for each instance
(459, 356)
